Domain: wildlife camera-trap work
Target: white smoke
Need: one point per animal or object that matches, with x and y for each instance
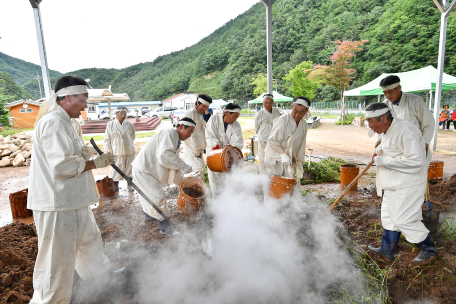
(262, 252)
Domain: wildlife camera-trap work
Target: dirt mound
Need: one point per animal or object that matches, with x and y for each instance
(18, 250)
(443, 193)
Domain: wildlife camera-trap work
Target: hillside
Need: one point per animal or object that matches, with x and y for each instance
(403, 35)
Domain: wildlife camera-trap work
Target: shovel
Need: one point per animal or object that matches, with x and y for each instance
(349, 187)
(430, 217)
(130, 182)
(308, 175)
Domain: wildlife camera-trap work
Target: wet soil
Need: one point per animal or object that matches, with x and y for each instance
(406, 282)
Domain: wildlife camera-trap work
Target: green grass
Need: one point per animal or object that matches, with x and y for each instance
(11, 131)
(101, 137)
(326, 171)
(148, 134)
(448, 229)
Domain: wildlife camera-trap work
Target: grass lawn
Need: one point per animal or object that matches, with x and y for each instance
(101, 137)
(11, 131)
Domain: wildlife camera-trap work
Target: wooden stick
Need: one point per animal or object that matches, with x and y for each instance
(349, 187)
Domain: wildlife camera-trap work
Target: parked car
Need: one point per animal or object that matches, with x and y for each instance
(144, 110)
(177, 115)
(162, 112)
(133, 113)
(105, 114)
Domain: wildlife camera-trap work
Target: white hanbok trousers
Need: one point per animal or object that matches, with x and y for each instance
(154, 191)
(261, 153)
(124, 164)
(197, 163)
(67, 240)
(401, 211)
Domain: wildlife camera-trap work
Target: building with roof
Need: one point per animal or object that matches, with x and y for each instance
(184, 100)
(24, 112)
(97, 96)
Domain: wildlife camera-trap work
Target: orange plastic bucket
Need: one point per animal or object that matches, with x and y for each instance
(18, 203)
(280, 186)
(222, 160)
(435, 170)
(192, 195)
(347, 174)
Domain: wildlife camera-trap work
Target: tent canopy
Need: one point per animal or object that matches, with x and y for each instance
(277, 98)
(423, 79)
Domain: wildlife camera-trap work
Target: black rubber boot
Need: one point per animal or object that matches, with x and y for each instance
(116, 186)
(390, 240)
(130, 187)
(428, 250)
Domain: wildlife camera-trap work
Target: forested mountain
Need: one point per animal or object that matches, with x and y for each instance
(403, 35)
(9, 91)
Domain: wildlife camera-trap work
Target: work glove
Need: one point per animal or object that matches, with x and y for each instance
(104, 160)
(216, 147)
(187, 169)
(88, 152)
(299, 170)
(285, 159)
(197, 151)
(378, 161)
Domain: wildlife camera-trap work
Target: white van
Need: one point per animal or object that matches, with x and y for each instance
(162, 112)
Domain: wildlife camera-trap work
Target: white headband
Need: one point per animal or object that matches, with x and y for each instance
(391, 86)
(268, 96)
(234, 110)
(376, 113)
(122, 109)
(204, 102)
(187, 123)
(302, 102)
(73, 90)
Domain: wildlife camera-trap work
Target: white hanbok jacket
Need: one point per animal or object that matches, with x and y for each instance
(120, 138)
(286, 137)
(405, 163)
(412, 108)
(57, 182)
(263, 123)
(160, 157)
(197, 142)
(215, 133)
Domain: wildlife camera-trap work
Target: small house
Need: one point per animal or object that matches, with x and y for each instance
(25, 112)
(185, 100)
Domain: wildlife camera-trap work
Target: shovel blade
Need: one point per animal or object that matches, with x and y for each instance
(431, 220)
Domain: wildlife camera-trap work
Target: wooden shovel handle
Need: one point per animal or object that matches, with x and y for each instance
(349, 187)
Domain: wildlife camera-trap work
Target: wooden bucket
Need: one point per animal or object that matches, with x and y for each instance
(280, 186)
(192, 195)
(18, 203)
(347, 174)
(435, 170)
(222, 160)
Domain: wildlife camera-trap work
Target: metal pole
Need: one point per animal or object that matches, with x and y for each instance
(42, 50)
(430, 100)
(109, 108)
(438, 87)
(268, 4)
(39, 84)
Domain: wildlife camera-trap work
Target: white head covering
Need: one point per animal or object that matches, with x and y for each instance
(186, 123)
(268, 96)
(391, 86)
(203, 101)
(121, 108)
(376, 113)
(72, 90)
(302, 102)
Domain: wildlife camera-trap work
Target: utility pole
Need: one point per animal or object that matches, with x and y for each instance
(41, 47)
(39, 84)
(268, 4)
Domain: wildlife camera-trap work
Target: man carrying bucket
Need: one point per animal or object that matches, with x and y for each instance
(223, 130)
(158, 165)
(285, 149)
(119, 140)
(196, 144)
(263, 124)
(60, 193)
(402, 174)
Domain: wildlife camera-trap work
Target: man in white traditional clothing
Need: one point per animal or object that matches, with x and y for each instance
(285, 150)
(158, 165)
(402, 174)
(409, 107)
(119, 140)
(223, 130)
(264, 120)
(196, 144)
(60, 192)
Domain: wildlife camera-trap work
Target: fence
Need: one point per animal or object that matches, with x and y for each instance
(349, 104)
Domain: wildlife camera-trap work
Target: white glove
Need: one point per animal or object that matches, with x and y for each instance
(299, 170)
(187, 169)
(88, 152)
(104, 160)
(378, 161)
(285, 159)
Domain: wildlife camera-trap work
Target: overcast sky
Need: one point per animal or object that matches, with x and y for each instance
(110, 33)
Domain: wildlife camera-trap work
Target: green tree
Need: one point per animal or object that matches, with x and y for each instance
(9, 91)
(301, 85)
(261, 84)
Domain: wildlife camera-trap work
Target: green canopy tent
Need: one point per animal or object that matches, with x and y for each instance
(420, 80)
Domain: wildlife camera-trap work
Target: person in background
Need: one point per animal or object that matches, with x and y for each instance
(401, 179)
(223, 130)
(445, 117)
(207, 114)
(158, 165)
(453, 119)
(195, 145)
(285, 150)
(119, 140)
(264, 120)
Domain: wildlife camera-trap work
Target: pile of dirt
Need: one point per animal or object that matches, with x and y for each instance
(406, 282)
(443, 193)
(18, 250)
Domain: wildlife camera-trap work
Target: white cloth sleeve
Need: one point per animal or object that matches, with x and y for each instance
(236, 139)
(257, 122)
(166, 154)
(413, 159)
(211, 132)
(59, 153)
(107, 139)
(276, 136)
(427, 121)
